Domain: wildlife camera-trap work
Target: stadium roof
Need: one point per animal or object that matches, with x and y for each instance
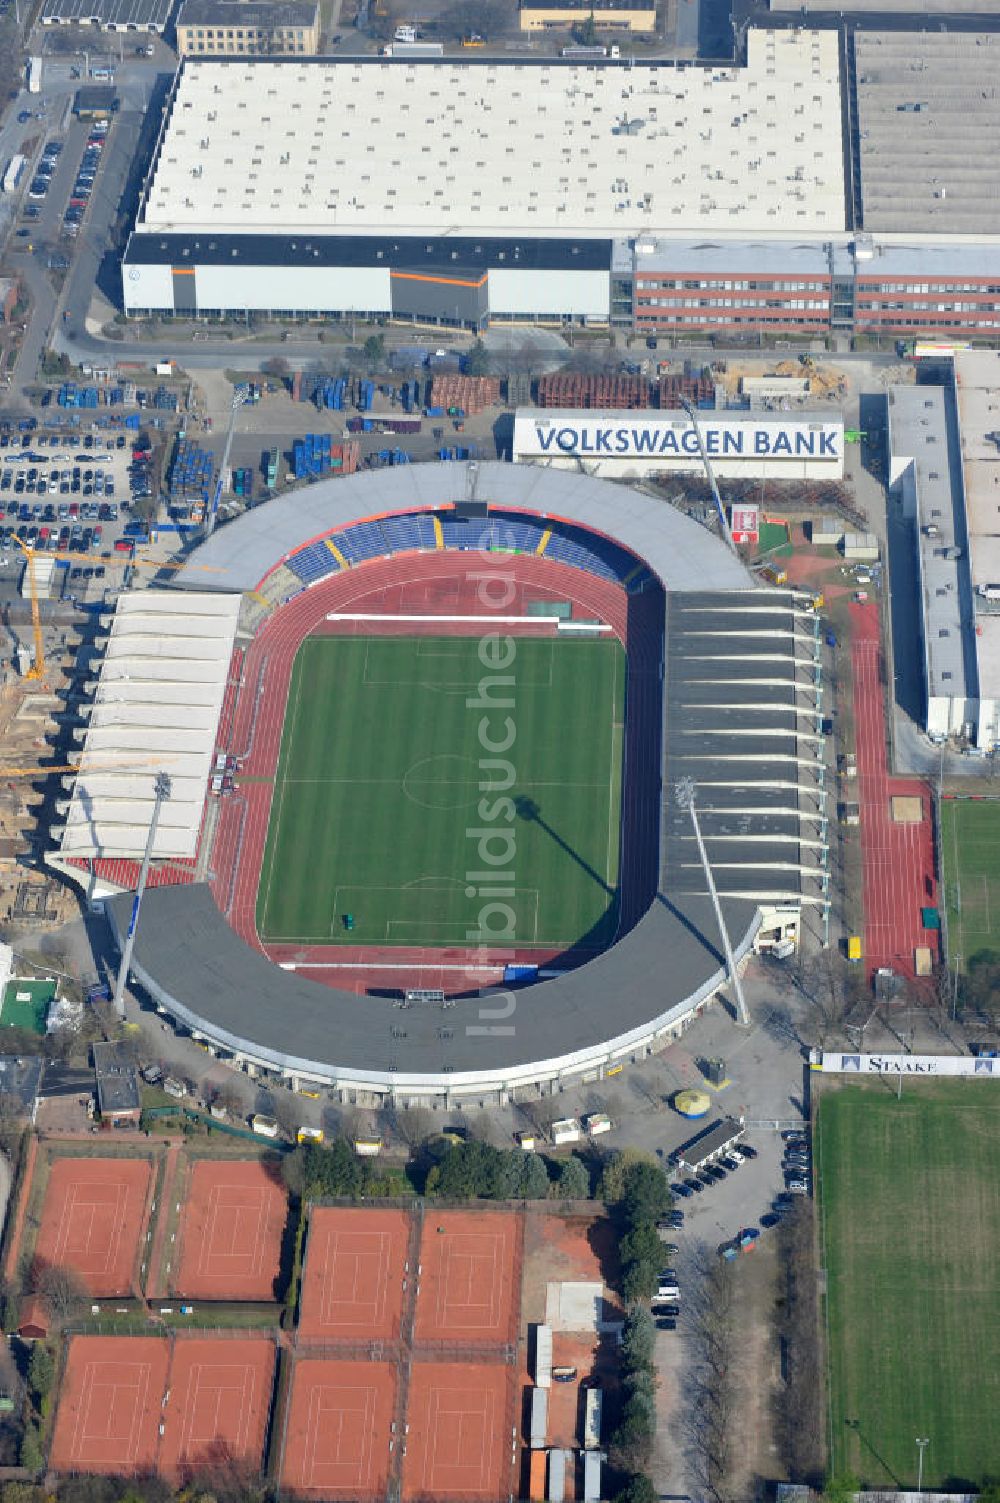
(733, 720)
(929, 131)
(156, 709)
(680, 552)
(498, 148)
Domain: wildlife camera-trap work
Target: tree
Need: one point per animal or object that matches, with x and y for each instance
(534, 1176)
(638, 1489)
(228, 1097)
(275, 365)
(287, 1115)
(647, 1192)
(616, 1171)
(373, 349)
(477, 361)
(31, 1448)
(586, 32)
(574, 1179)
(638, 1338)
(41, 1371)
(413, 1124)
(61, 1291)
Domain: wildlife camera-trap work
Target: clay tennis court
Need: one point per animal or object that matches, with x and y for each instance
(109, 1406)
(93, 1220)
(231, 1230)
(469, 1276)
(338, 1434)
(459, 1439)
(220, 1397)
(354, 1272)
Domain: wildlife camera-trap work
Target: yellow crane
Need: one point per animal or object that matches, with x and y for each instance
(112, 764)
(37, 669)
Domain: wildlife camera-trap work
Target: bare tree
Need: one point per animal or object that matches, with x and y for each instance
(830, 986)
(287, 1114)
(228, 1097)
(412, 1124)
(61, 1290)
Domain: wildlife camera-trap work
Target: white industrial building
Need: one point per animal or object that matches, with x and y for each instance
(960, 664)
(503, 184)
(156, 709)
(629, 445)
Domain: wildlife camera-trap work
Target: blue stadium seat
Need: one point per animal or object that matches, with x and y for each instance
(312, 563)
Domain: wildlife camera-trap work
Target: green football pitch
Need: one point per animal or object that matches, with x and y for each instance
(398, 794)
(970, 848)
(910, 1204)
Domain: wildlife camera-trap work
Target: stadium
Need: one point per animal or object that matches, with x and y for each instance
(424, 729)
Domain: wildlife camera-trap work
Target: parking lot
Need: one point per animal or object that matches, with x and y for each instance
(65, 494)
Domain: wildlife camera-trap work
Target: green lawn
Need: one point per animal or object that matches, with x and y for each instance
(970, 846)
(386, 797)
(910, 1203)
(26, 1004)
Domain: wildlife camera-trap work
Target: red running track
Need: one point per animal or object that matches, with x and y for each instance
(439, 583)
(898, 876)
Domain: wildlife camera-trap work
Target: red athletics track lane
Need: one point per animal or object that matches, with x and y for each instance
(431, 583)
(109, 1405)
(897, 860)
(459, 1443)
(352, 1282)
(93, 1220)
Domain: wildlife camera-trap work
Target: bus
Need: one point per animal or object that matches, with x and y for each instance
(34, 75)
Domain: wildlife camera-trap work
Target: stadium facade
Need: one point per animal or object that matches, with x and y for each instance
(735, 707)
(656, 197)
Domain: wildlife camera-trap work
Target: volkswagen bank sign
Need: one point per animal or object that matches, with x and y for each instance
(645, 442)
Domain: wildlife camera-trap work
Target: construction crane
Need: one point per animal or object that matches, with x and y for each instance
(113, 764)
(37, 669)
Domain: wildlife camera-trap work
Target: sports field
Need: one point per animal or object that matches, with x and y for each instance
(910, 1203)
(970, 846)
(231, 1231)
(433, 795)
(93, 1221)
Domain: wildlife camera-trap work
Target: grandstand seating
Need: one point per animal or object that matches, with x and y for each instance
(363, 540)
(313, 563)
(518, 534)
(402, 533)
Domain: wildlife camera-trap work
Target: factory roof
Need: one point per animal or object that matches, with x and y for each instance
(495, 148)
(653, 254)
(267, 14)
(117, 15)
(866, 10)
(921, 420)
(156, 709)
(929, 131)
(978, 395)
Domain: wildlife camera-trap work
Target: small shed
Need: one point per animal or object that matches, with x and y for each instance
(34, 1323)
(861, 547)
(95, 102)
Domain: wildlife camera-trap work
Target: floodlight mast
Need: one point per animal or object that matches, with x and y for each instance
(241, 394)
(723, 519)
(686, 799)
(161, 792)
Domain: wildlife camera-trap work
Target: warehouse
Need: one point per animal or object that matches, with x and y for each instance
(628, 445)
(273, 182)
(660, 198)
